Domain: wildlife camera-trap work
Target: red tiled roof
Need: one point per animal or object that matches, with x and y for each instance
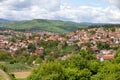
(108, 57)
(51, 39)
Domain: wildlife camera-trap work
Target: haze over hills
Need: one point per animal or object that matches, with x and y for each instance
(3, 20)
(43, 24)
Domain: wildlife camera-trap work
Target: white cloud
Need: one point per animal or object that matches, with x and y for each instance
(54, 9)
(27, 9)
(26, 4)
(115, 2)
(90, 14)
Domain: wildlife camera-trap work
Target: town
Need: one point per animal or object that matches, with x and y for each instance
(101, 41)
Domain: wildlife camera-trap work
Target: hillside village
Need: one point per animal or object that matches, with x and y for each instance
(59, 40)
(103, 42)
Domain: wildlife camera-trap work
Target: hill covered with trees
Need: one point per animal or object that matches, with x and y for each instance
(43, 24)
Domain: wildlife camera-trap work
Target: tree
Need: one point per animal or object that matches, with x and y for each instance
(48, 71)
(38, 60)
(85, 74)
(31, 47)
(4, 55)
(31, 58)
(76, 61)
(4, 67)
(103, 45)
(107, 71)
(93, 66)
(71, 74)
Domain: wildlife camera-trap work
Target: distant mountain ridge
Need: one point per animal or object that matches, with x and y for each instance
(47, 25)
(3, 20)
(43, 24)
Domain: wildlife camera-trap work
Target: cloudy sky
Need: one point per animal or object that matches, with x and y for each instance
(104, 11)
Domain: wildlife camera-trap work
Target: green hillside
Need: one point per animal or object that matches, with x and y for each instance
(43, 24)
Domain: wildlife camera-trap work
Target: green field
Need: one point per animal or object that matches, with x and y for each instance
(17, 67)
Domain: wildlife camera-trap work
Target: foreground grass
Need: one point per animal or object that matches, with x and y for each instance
(4, 76)
(1, 77)
(20, 70)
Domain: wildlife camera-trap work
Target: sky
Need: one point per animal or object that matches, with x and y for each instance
(96, 11)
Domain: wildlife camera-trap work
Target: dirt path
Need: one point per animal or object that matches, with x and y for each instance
(4, 76)
(21, 74)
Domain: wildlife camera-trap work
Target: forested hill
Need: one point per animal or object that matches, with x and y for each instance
(104, 25)
(43, 24)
